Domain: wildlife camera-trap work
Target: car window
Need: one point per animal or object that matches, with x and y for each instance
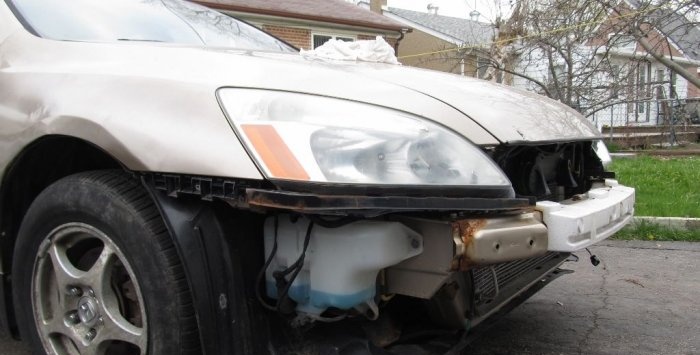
(170, 21)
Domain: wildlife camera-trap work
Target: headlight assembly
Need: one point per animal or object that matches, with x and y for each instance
(602, 152)
(318, 139)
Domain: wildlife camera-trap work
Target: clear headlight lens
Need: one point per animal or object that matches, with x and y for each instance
(602, 151)
(313, 138)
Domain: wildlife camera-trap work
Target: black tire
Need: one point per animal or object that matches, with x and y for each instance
(115, 204)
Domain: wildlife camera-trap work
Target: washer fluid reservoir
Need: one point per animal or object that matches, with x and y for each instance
(341, 264)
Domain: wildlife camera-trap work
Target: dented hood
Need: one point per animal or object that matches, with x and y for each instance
(510, 115)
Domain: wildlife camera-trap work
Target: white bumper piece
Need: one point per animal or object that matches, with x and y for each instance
(575, 224)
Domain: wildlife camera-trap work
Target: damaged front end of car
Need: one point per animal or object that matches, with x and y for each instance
(383, 230)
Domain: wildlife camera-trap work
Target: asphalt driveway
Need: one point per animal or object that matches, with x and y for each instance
(642, 299)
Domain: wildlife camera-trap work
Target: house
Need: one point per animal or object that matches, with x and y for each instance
(653, 91)
(636, 89)
(454, 44)
(307, 24)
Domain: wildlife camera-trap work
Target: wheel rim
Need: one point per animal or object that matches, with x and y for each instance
(85, 296)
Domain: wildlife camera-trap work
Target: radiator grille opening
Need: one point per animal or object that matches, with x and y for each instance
(489, 281)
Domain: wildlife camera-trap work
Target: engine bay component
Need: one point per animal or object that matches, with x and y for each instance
(461, 245)
(472, 296)
(338, 267)
(553, 172)
(497, 240)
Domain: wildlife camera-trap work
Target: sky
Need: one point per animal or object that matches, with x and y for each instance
(456, 8)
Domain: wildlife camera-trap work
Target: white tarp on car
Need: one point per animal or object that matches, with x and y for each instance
(377, 50)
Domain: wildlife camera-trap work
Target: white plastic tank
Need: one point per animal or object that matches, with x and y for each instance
(341, 264)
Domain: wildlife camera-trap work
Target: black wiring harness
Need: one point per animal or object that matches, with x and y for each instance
(284, 305)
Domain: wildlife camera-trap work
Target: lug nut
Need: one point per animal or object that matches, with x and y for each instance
(73, 317)
(91, 334)
(75, 291)
(91, 292)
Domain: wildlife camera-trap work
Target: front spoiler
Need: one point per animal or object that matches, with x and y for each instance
(587, 219)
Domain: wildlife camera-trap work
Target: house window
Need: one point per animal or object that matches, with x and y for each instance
(615, 70)
(320, 39)
(672, 93)
(559, 72)
(482, 64)
(660, 76)
(642, 89)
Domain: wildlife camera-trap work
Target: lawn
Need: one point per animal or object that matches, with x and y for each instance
(650, 231)
(666, 187)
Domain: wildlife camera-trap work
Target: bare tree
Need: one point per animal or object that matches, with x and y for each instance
(578, 51)
(670, 18)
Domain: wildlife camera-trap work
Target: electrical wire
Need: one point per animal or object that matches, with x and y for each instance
(261, 273)
(294, 269)
(331, 223)
(280, 276)
(322, 319)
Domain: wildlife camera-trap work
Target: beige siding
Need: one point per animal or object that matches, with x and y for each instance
(418, 42)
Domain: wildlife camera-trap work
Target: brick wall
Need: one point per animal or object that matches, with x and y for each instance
(298, 37)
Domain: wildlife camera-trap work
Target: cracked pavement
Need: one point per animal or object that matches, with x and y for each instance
(642, 299)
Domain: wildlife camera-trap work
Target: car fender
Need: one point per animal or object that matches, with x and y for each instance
(218, 248)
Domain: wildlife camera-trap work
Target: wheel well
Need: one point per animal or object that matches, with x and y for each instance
(40, 164)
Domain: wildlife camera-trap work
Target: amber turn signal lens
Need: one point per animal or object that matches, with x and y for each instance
(273, 152)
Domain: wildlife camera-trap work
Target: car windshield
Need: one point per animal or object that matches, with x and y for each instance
(170, 21)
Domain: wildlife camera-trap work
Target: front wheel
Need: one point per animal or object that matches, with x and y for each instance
(95, 272)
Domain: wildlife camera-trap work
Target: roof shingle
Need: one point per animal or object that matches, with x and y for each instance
(460, 29)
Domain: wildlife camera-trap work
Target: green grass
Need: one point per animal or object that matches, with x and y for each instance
(666, 187)
(613, 147)
(650, 231)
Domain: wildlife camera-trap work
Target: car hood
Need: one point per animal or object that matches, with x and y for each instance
(508, 114)
(484, 112)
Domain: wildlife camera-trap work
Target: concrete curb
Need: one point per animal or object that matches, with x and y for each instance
(670, 222)
(624, 155)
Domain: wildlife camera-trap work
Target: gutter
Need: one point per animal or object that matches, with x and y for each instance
(285, 14)
(401, 36)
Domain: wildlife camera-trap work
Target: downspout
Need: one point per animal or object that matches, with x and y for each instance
(398, 40)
